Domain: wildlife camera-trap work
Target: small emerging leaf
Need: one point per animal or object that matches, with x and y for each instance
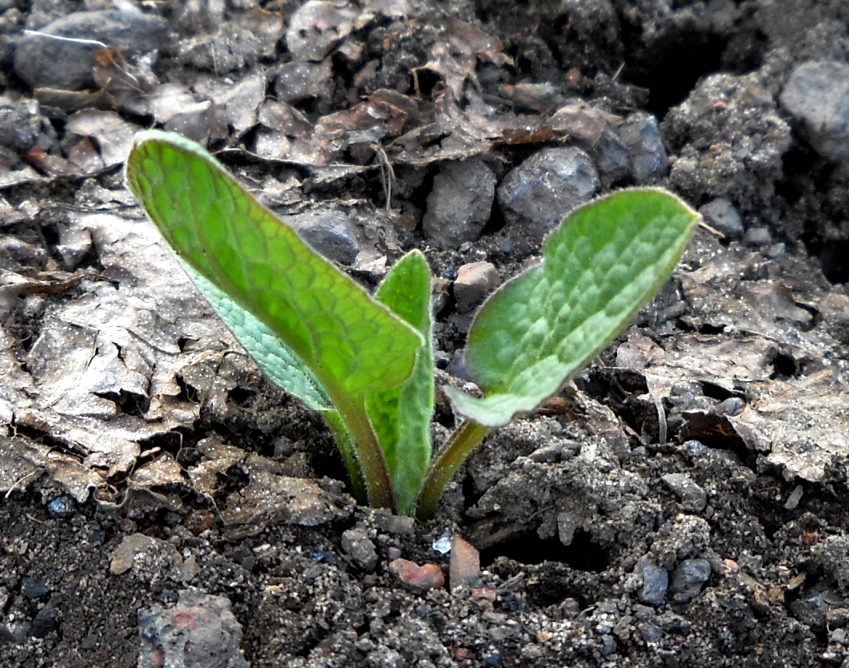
(603, 264)
(400, 417)
(352, 344)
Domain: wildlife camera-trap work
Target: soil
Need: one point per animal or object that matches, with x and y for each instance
(682, 504)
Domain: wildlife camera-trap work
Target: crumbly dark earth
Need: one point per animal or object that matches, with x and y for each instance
(684, 503)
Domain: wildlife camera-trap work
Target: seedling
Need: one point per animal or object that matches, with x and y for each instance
(366, 362)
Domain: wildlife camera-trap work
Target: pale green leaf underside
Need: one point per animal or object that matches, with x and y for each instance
(401, 416)
(275, 359)
(604, 263)
(351, 344)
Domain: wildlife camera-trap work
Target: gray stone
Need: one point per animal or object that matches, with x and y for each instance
(655, 582)
(688, 578)
(20, 126)
(650, 632)
(835, 313)
(817, 96)
(43, 61)
(758, 237)
(460, 203)
(474, 283)
(200, 630)
(693, 498)
(545, 187)
(776, 251)
(45, 621)
(328, 231)
(360, 548)
(641, 135)
(611, 157)
(721, 215)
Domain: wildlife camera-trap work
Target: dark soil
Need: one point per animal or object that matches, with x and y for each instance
(682, 504)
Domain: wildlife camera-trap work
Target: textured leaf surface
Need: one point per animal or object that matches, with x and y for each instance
(351, 344)
(275, 359)
(604, 263)
(401, 416)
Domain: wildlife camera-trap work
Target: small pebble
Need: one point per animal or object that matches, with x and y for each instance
(641, 135)
(540, 191)
(45, 621)
(33, 588)
(776, 251)
(329, 232)
(465, 565)
(655, 582)
(693, 498)
(732, 406)
(460, 203)
(835, 314)
(688, 578)
(757, 237)
(443, 543)
(649, 632)
(611, 157)
(722, 216)
(62, 506)
(15, 632)
(817, 97)
(360, 548)
(492, 659)
(418, 578)
(475, 281)
(200, 630)
(695, 448)
(794, 498)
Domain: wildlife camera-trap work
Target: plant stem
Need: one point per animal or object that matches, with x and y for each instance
(453, 453)
(375, 474)
(349, 457)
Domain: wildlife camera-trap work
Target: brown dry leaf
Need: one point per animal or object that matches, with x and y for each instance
(161, 472)
(217, 458)
(22, 461)
(580, 122)
(800, 417)
(271, 497)
(74, 100)
(112, 138)
(106, 370)
(236, 104)
(113, 73)
(284, 133)
(317, 27)
(17, 175)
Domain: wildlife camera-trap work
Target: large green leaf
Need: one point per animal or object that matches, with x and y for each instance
(275, 359)
(401, 416)
(604, 263)
(352, 345)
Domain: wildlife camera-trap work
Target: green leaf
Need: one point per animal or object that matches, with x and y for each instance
(603, 264)
(275, 359)
(401, 416)
(352, 344)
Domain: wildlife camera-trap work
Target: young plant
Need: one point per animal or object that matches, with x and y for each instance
(366, 362)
